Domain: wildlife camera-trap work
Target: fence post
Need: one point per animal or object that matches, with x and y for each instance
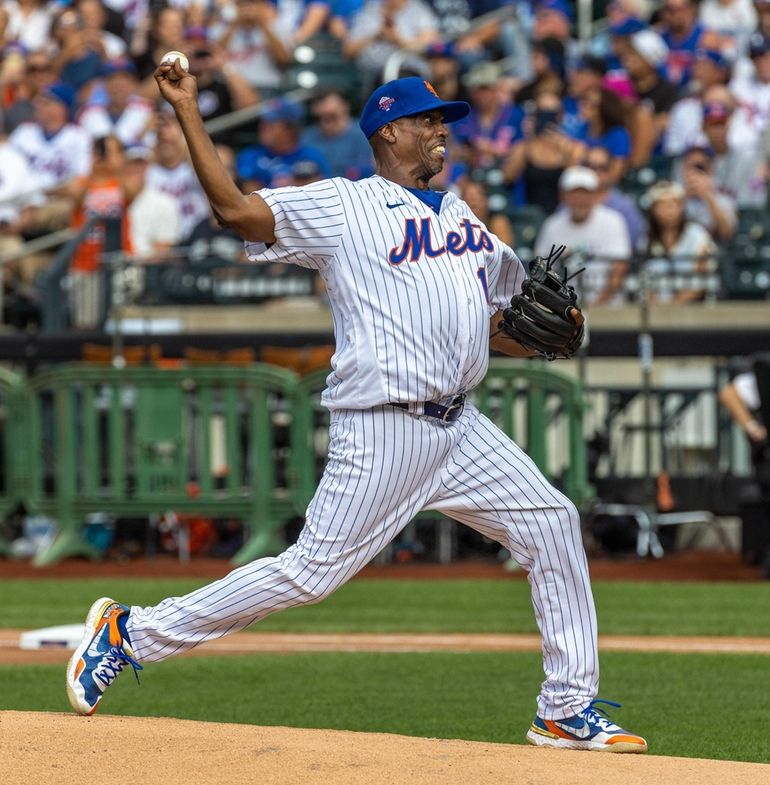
(14, 446)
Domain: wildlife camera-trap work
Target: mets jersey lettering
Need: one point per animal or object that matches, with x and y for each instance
(417, 241)
(404, 332)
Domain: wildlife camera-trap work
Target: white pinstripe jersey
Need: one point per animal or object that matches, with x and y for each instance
(411, 291)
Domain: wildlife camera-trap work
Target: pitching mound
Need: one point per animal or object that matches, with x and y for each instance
(59, 748)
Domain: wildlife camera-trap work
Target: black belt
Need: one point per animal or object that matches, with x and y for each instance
(431, 409)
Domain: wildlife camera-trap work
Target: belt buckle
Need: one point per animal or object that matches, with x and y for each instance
(458, 403)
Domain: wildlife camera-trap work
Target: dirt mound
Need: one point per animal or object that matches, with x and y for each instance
(62, 749)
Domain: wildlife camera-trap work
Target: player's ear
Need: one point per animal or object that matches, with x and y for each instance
(388, 132)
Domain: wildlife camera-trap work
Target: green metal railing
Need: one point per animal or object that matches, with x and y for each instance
(144, 440)
(541, 409)
(14, 452)
(248, 443)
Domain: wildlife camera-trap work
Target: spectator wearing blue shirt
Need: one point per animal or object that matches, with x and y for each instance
(338, 138)
(683, 35)
(587, 75)
(485, 136)
(278, 149)
(603, 112)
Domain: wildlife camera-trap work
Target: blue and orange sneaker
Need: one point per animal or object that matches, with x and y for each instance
(591, 730)
(101, 655)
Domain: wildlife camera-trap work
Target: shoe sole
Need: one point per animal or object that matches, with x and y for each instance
(95, 612)
(539, 740)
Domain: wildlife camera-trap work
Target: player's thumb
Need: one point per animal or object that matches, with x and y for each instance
(576, 316)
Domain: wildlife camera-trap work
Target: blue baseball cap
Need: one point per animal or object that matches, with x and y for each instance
(283, 110)
(61, 92)
(404, 97)
(557, 6)
(627, 26)
(121, 65)
(759, 44)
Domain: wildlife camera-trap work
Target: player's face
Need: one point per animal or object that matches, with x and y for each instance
(421, 142)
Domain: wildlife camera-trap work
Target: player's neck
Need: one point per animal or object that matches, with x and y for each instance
(399, 175)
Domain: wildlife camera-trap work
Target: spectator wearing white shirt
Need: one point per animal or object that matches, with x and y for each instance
(752, 90)
(594, 233)
(57, 152)
(734, 18)
(706, 204)
(16, 198)
(737, 167)
(173, 174)
(154, 216)
(680, 253)
(93, 18)
(383, 27)
(258, 42)
(125, 115)
(711, 69)
(29, 23)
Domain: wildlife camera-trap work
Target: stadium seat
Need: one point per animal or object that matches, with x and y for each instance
(319, 64)
(635, 182)
(746, 263)
(526, 221)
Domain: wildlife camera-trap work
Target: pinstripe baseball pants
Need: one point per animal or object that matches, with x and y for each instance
(384, 466)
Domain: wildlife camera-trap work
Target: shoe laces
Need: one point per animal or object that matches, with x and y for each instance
(597, 715)
(113, 663)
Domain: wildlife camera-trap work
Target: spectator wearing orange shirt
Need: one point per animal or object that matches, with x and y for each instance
(98, 195)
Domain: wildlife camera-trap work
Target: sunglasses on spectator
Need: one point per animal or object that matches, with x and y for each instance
(38, 68)
(327, 116)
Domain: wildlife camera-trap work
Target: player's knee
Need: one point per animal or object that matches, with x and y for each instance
(311, 585)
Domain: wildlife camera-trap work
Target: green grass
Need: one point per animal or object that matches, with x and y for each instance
(429, 606)
(694, 706)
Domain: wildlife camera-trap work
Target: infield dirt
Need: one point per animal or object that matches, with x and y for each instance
(66, 749)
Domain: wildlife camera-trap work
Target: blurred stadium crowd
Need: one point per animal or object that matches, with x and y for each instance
(644, 134)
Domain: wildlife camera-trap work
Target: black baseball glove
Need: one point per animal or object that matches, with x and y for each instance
(545, 317)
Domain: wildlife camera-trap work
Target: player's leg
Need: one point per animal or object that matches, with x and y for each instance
(493, 486)
(383, 465)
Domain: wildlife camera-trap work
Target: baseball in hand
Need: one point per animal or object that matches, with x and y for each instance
(170, 57)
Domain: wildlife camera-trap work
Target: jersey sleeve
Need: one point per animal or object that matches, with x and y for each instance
(309, 224)
(506, 279)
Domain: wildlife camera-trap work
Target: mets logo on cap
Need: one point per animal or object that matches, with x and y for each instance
(386, 102)
(431, 88)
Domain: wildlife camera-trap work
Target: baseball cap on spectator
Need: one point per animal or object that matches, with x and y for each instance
(61, 92)
(716, 112)
(664, 189)
(578, 177)
(700, 146)
(403, 97)
(621, 85)
(716, 56)
(283, 110)
(440, 49)
(627, 26)
(650, 46)
(482, 75)
(556, 6)
(196, 33)
(759, 44)
(121, 65)
(138, 153)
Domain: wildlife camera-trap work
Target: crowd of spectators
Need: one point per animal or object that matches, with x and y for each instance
(556, 122)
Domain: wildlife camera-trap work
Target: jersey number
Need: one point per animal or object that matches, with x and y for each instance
(482, 274)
